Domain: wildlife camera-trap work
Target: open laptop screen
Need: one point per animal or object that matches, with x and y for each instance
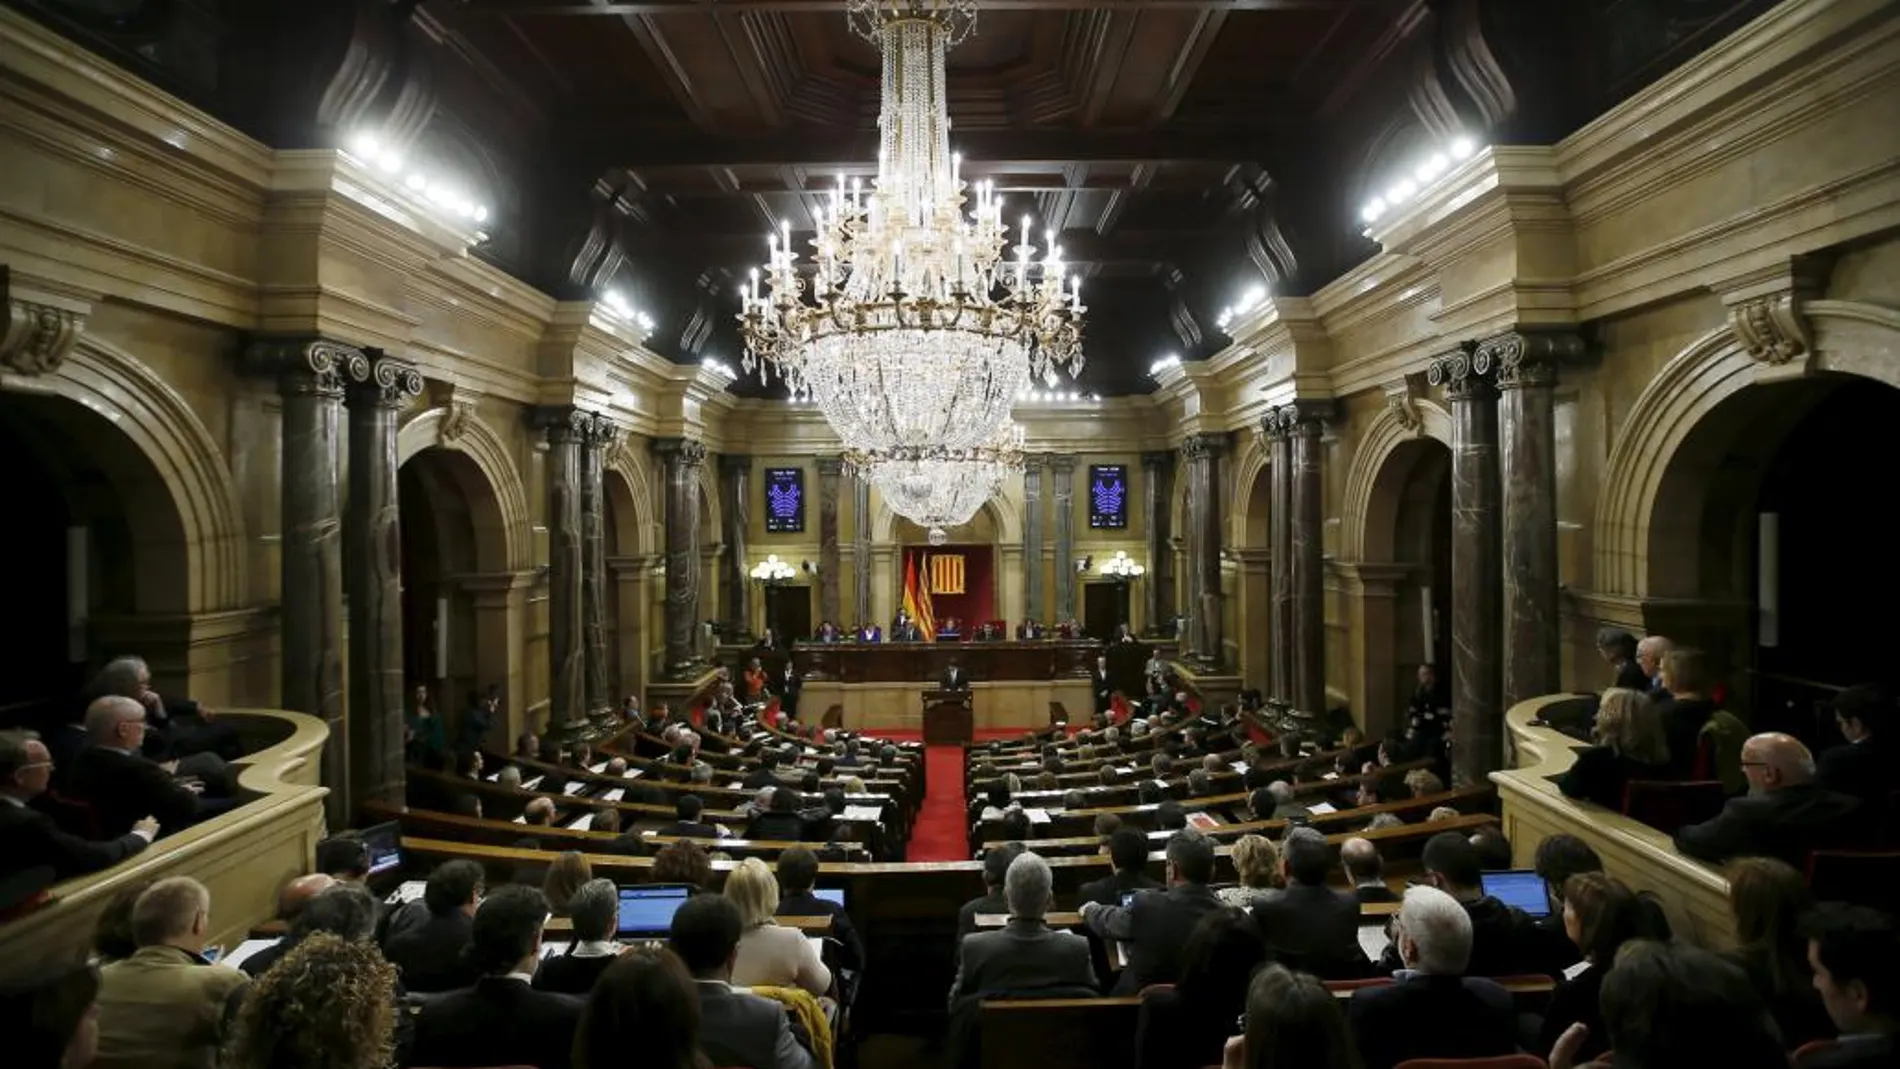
(833, 895)
(384, 842)
(1518, 887)
(649, 910)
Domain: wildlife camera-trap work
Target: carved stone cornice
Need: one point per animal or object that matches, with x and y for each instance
(42, 325)
(384, 381)
(314, 367)
(830, 467)
(1205, 445)
(1460, 373)
(1401, 398)
(563, 424)
(687, 452)
(1765, 309)
(1522, 358)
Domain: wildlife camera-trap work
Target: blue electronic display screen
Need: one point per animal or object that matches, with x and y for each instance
(785, 500)
(1108, 496)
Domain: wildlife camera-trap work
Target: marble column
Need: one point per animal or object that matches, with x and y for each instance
(1032, 538)
(1306, 544)
(310, 374)
(372, 578)
(1527, 366)
(830, 471)
(682, 458)
(1476, 566)
(597, 441)
(1157, 471)
(860, 550)
(1203, 452)
(1279, 432)
(1062, 504)
(735, 514)
(566, 428)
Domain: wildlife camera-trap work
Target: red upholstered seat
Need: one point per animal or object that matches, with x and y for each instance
(1809, 1051)
(1506, 1061)
(1668, 805)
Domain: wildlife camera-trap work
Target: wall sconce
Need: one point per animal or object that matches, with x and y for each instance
(1122, 568)
(771, 571)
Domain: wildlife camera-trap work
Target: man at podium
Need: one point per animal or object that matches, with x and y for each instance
(955, 678)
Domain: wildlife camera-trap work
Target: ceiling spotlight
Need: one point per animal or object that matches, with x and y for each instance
(1462, 147)
(481, 214)
(1401, 191)
(416, 182)
(365, 147)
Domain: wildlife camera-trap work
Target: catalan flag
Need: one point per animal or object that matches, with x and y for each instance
(917, 596)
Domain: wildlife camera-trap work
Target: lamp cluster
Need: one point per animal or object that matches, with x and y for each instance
(1166, 362)
(443, 196)
(773, 570)
(1427, 171)
(1122, 566)
(616, 306)
(1249, 301)
(1046, 397)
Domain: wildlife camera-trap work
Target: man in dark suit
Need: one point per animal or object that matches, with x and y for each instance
(1784, 815)
(1433, 1010)
(995, 867)
(797, 873)
(1366, 869)
(1101, 688)
(29, 838)
(502, 1020)
(955, 678)
(688, 808)
(427, 944)
(1504, 940)
(1128, 851)
(1852, 950)
(736, 1028)
(1025, 956)
(1863, 765)
(1309, 926)
(766, 775)
(1618, 647)
(119, 782)
(1157, 924)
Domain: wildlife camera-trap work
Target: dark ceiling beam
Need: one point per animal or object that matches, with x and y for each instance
(674, 7)
(986, 149)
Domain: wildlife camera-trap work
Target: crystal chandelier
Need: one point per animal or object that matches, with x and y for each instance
(938, 488)
(908, 327)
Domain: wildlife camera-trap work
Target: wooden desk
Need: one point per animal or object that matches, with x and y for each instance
(808, 925)
(922, 662)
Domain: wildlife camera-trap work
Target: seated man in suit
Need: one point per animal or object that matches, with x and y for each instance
(166, 1006)
(687, 809)
(1784, 815)
(502, 1020)
(179, 727)
(1157, 924)
(1863, 765)
(996, 862)
(797, 873)
(1025, 957)
(1366, 869)
(292, 898)
(122, 785)
(1127, 850)
(29, 838)
(427, 943)
(1852, 950)
(1309, 926)
(1434, 1010)
(736, 1028)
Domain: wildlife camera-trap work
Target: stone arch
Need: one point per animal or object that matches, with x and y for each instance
(190, 551)
(1246, 524)
(1004, 517)
(1849, 338)
(497, 501)
(629, 498)
(1371, 490)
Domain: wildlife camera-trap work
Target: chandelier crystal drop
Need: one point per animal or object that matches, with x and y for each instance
(939, 488)
(908, 326)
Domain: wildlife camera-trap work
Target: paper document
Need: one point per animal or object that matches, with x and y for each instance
(584, 822)
(1203, 820)
(410, 891)
(1330, 775)
(1372, 940)
(523, 819)
(1037, 816)
(862, 812)
(553, 950)
(573, 788)
(1321, 809)
(1239, 766)
(244, 950)
(615, 795)
(598, 768)
(528, 785)
(632, 773)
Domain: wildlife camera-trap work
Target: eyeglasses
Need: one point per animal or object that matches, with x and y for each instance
(1240, 1024)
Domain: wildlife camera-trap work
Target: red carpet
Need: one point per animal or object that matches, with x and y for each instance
(941, 832)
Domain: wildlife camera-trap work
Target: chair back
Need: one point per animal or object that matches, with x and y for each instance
(1502, 1061)
(1810, 1052)
(1668, 806)
(833, 718)
(1863, 877)
(1037, 1033)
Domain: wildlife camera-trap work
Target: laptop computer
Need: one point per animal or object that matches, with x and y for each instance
(1518, 887)
(648, 911)
(833, 895)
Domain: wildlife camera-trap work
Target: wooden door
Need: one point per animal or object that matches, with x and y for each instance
(1104, 608)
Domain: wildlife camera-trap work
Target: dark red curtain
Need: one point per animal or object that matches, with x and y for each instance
(977, 603)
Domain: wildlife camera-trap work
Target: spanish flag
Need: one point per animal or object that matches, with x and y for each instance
(917, 596)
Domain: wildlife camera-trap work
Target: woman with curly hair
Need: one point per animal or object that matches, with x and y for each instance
(1257, 862)
(684, 862)
(327, 1004)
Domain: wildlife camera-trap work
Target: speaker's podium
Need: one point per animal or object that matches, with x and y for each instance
(947, 717)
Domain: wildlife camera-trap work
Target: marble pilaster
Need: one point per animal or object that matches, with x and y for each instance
(1062, 503)
(1306, 545)
(1032, 537)
(1157, 478)
(310, 376)
(682, 458)
(1279, 430)
(597, 442)
(1203, 453)
(860, 551)
(1476, 565)
(372, 578)
(735, 514)
(830, 472)
(566, 428)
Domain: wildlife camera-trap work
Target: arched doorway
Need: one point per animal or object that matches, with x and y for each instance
(102, 540)
(1767, 549)
(1405, 569)
(448, 518)
(1252, 626)
(629, 536)
(975, 542)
